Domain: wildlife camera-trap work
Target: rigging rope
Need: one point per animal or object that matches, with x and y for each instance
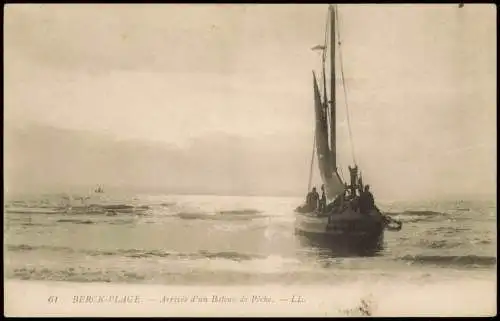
(325, 43)
(341, 174)
(325, 95)
(323, 59)
(344, 86)
(311, 166)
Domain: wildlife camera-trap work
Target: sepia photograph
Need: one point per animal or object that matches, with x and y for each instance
(250, 160)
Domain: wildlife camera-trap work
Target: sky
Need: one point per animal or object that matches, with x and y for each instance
(421, 82)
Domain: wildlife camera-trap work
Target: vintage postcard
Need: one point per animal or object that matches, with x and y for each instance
(250, 160)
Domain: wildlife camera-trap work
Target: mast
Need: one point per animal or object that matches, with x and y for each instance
(323, 67)
(325, 148)
(333, 136)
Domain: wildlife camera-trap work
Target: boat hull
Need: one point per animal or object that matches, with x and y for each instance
(350, 231)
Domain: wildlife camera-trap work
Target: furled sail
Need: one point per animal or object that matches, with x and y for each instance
(333, 186)
(331, 180)
(322, 148)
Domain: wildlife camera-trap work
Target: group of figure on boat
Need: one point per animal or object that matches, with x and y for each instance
(356, 196)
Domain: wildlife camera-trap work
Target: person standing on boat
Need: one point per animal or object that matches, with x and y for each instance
(322, 201)
(366, 200)
(353, 171)
(312, 200)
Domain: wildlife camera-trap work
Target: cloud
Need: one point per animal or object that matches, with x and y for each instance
(40, 157)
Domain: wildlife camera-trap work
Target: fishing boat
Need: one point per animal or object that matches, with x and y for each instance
(340, 221)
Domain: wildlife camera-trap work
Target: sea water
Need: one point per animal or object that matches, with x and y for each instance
(445, 252)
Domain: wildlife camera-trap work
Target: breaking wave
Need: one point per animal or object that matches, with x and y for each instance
(450, 229)
(32, 210)
(138, 253)
(76, 221)
(419, 213)
(90, 210)
(189, 277)
(238, 212)
(417, 216)
(167, 204)
(231, 215)
(461, 261)
(439, 244)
